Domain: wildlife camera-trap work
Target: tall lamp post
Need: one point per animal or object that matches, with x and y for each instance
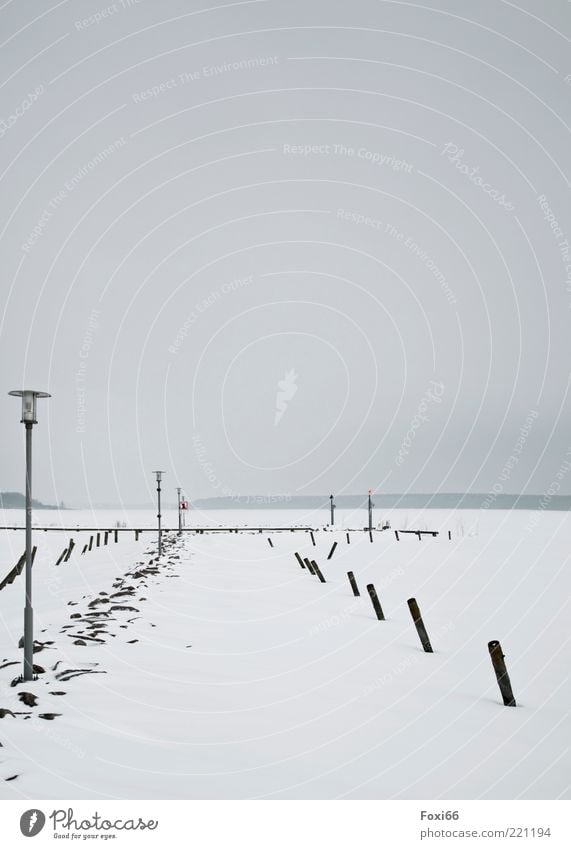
(371, 505)
(159, 477)
(332, 505)
(179, 490)
(29, 397)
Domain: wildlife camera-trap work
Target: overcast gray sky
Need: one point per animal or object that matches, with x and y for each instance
(286, 247)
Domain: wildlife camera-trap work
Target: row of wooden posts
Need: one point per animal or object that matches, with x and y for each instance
(397, 537)
(64, 556)
(94, 538)
(314, 569)
(494, 648)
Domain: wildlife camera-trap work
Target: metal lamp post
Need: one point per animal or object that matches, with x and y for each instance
(332, 505)
(159, 477)
(371, 505)
(179, 490)
(29, 397)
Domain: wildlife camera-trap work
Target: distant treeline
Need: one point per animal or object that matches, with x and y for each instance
(440, 500)
(17, 501)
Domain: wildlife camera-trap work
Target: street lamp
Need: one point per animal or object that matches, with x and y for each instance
(332, 510)
(179, 490)
(371, 505)
(159, 476)
(29, 397)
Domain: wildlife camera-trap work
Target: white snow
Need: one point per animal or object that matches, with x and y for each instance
(251, 679)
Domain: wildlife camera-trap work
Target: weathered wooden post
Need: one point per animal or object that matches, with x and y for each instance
(106, 538)
(116, 535)
(419, 624)
(333, 547)
(449, 535)
(312, 537)
(61, 557)
(397, 536)
(137, 536)
(90, 546)
(370, 536)
(317, 571)
(375, 601)
(348, 539)
(502, 676)
(353, 583)
(98, 540)
(299, 560)
(70, 548)
(84, 549)
(270, 542)
(308, 565)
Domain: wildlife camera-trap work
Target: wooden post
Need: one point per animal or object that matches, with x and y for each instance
(97, 539)
(70, 548)
(317, 571)
(312, 537)
(19, 566)
(84, 549)
(375, 601)
(370, 536)
(449, 535)
(419, 536)
(333, 547)
(62, 555)
(106, 538)
(137, 536)
(270, 542)
(502, 676)
(308, 565)
(90, 546)
(353, 583)
(348, 539)
(116, 535)
(419, 624)
(299, 560)
(397, 536)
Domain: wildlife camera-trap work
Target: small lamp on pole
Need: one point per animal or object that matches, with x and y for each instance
(179, 490)
(29, 398)
(159, 477)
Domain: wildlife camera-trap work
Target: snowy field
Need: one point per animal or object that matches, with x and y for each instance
(233, 673)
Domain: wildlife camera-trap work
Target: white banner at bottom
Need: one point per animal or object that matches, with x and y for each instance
(288, 824)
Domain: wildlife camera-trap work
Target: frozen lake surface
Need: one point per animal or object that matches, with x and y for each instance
(233, 673)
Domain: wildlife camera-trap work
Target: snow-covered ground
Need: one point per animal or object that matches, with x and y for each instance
(240, 675)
